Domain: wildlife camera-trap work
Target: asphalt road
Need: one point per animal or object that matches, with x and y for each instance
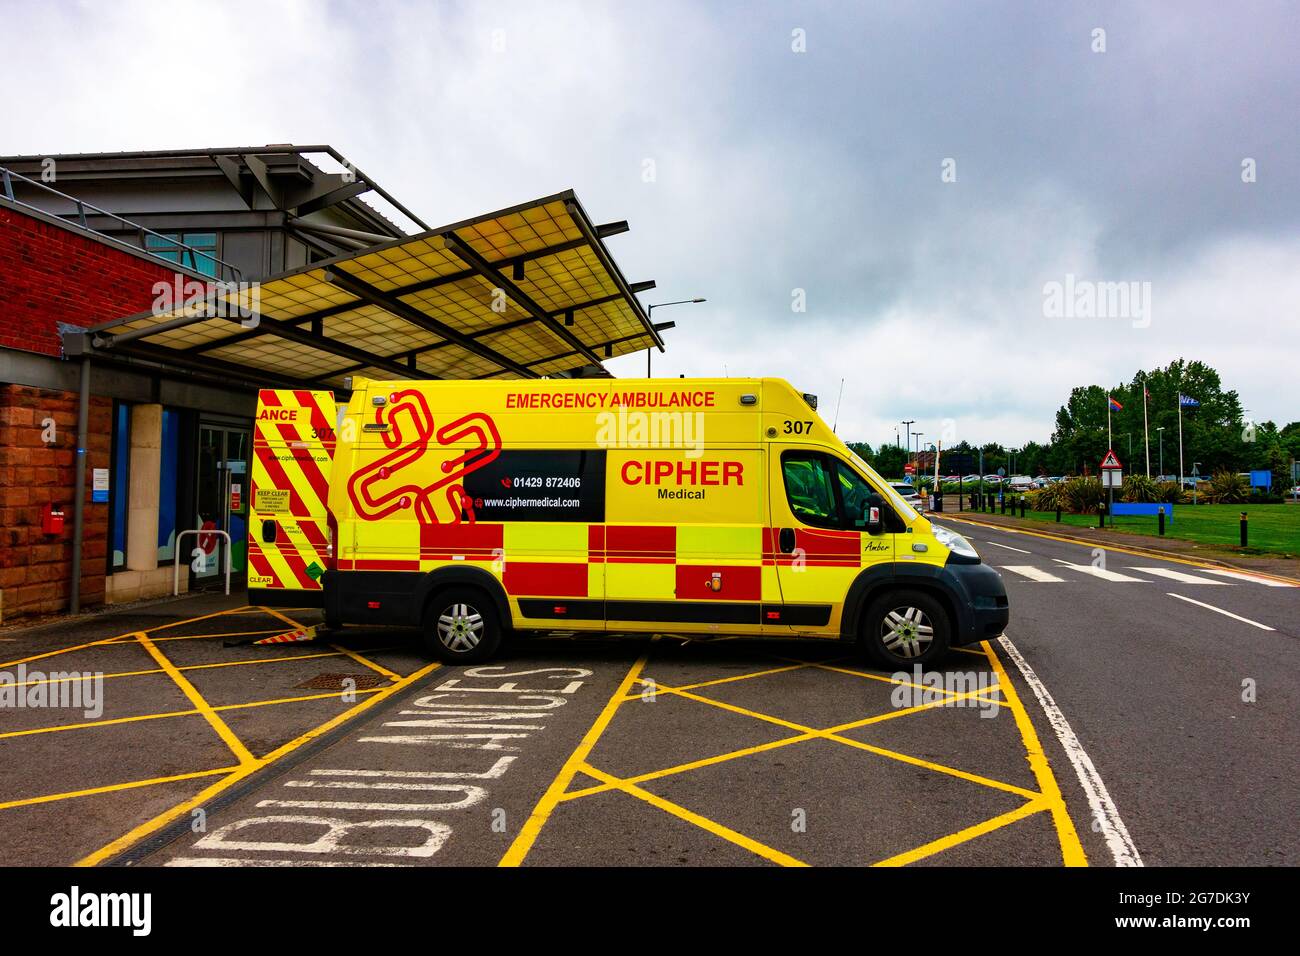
(1167, 728)
(1153, 687)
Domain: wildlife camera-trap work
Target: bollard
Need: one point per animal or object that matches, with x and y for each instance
(1160, 519)
(1022, 506)
(1003, 500)
(1058, 514)
(1243, 529)
(1101, 515)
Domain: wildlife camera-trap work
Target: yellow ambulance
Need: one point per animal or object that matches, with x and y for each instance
(676, 506)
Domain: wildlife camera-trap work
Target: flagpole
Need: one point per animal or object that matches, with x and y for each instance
(1146, 435)
(1180, 441)
(1109, 443)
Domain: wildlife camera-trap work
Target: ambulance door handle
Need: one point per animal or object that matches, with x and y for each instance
(786, 540)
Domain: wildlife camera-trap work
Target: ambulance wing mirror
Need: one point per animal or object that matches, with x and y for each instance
(872, 514)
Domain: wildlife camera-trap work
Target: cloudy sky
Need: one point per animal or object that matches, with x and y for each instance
(915, 173)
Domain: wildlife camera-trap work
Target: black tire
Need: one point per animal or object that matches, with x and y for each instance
(902, 628)
(462, 626)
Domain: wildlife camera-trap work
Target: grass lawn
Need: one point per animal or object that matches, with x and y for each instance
(1274, 528)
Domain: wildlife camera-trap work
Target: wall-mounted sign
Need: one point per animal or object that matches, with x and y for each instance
(99, 485)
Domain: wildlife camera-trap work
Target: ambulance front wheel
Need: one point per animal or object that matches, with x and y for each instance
(461, 626)
(902, 628)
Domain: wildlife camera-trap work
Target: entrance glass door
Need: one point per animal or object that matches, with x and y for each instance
(222, 499)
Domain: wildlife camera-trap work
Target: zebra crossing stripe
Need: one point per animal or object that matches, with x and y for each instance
(1173, 575)
(1103, 573)
(1033, 573)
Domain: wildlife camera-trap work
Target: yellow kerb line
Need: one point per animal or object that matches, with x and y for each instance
(113, 788)
(129, 839)
(527, 836)
(704, 823)
(192, 694)
(1071, 849)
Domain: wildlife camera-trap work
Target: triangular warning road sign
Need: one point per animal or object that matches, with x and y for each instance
(1110, 461)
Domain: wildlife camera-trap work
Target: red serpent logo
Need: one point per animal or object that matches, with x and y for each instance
(378, 490)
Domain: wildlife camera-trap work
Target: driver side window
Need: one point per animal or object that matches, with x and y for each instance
(809, 490)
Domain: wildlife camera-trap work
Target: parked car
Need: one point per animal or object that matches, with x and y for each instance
(909, 494)
(971, 479)
(993, 479)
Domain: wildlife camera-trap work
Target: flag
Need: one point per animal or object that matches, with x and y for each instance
(1114, 405)
(1186, 401)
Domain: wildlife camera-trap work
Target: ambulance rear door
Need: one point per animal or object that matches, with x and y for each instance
(290, 529)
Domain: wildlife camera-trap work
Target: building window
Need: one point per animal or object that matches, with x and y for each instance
(119, 483)
(201, 256)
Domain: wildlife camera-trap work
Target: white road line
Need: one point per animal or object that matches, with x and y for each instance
(1254, 578)
(1219, 610)
(1103, 573)
(1009, 548)
(1105, 815)
(236, 861)
(1173, 575)
(1033, 573)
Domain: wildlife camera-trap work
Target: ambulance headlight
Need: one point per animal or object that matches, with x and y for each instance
(961, 548)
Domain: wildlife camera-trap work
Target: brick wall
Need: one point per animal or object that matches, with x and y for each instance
(49, 274)
(36, 568)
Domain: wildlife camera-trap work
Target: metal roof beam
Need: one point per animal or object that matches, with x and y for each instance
(364, 290)
(580, 217)
(484, 268)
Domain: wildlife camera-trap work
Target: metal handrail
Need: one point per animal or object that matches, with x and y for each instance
(176, 561)
(7, 176)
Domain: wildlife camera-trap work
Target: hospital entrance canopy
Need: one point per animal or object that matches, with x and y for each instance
(525, 292)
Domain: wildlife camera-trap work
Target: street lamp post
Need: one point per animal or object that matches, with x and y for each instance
(1160, 430)
(650, 313)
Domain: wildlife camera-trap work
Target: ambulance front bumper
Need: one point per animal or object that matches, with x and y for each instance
(980, 599)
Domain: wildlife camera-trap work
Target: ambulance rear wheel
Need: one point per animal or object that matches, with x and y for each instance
(902, 628)
(461, 626)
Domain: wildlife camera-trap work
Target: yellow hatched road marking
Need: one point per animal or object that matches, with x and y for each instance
(366, 662)
(859, 745)
(1027, 809)
(221, 708)
(771, 745)
(518, 849)
(113, 788)
(187, 667)
(192, 694)
(129, 839)
(1071, 849)
(129, 636)
(690, 816)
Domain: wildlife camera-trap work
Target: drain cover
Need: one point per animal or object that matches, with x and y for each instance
(335, 682)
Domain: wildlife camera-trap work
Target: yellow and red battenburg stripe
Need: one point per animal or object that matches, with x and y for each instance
(293, 451)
